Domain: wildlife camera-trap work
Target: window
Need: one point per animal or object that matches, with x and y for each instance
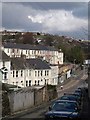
(35, 82)
(21, 73)
(3, 64)
(8, 50)
(17, 50)
(38, 73)
(35, 73)
(29, 72)
(13, 73)
(26, 83)
(12, 50)
(45, 72)
(16, 73)
(41, 72)
(45, 81)
(29, 82)
(38, 82)
(21, 82)
(5, 75)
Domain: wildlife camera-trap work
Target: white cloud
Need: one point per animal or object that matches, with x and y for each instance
(58, 20)
(55, 21)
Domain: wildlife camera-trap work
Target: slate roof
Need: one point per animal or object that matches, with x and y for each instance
(4, 56)
(21, 63)
(38, 63)
(28, 46)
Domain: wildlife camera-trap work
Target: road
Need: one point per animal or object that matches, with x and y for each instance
(39, 112)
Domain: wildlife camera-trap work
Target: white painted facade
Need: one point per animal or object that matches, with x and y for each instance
(17, 78)
(54, 75)
(39, 77)
(68, 74)
(5, 73)
(30, 77)
(53, 57)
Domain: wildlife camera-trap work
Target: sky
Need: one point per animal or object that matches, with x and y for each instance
(62, 18)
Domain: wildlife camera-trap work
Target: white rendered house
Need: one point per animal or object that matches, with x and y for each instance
(5, 67)
(50, 54)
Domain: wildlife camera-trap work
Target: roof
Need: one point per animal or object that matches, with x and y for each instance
(38, 63)
(29, 47)
(4, 56)
(18, 64)
(21, 63)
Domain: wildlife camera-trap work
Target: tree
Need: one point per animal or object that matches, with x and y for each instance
(28, 38)
(48, 40)
(76, 53)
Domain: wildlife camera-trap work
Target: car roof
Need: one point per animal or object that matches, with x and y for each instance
(78, 90)
(66, 101)
(72, 94)
(68, 96)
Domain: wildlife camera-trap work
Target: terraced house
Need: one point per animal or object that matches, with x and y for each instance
(24, 69)
(50, 54)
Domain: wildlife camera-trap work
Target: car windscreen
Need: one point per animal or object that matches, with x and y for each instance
(64, 106)
(69, 97)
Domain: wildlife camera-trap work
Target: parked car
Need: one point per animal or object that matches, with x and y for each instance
(62, 110)
(69, 97)
(76, 95)
(79, 92)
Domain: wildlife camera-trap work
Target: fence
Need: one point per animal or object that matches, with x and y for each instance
(26, 98)
(20, 100)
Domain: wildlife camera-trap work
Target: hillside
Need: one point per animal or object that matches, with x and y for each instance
(72, 49)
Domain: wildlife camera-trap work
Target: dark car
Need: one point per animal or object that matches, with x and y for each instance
(74, 94)
(78, 97)
(63, 110)
(79, 92)
(69, 97)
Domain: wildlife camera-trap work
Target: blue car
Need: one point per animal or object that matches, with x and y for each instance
(69, 97)
(77, 97)
(63, 110)
(79, 92)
